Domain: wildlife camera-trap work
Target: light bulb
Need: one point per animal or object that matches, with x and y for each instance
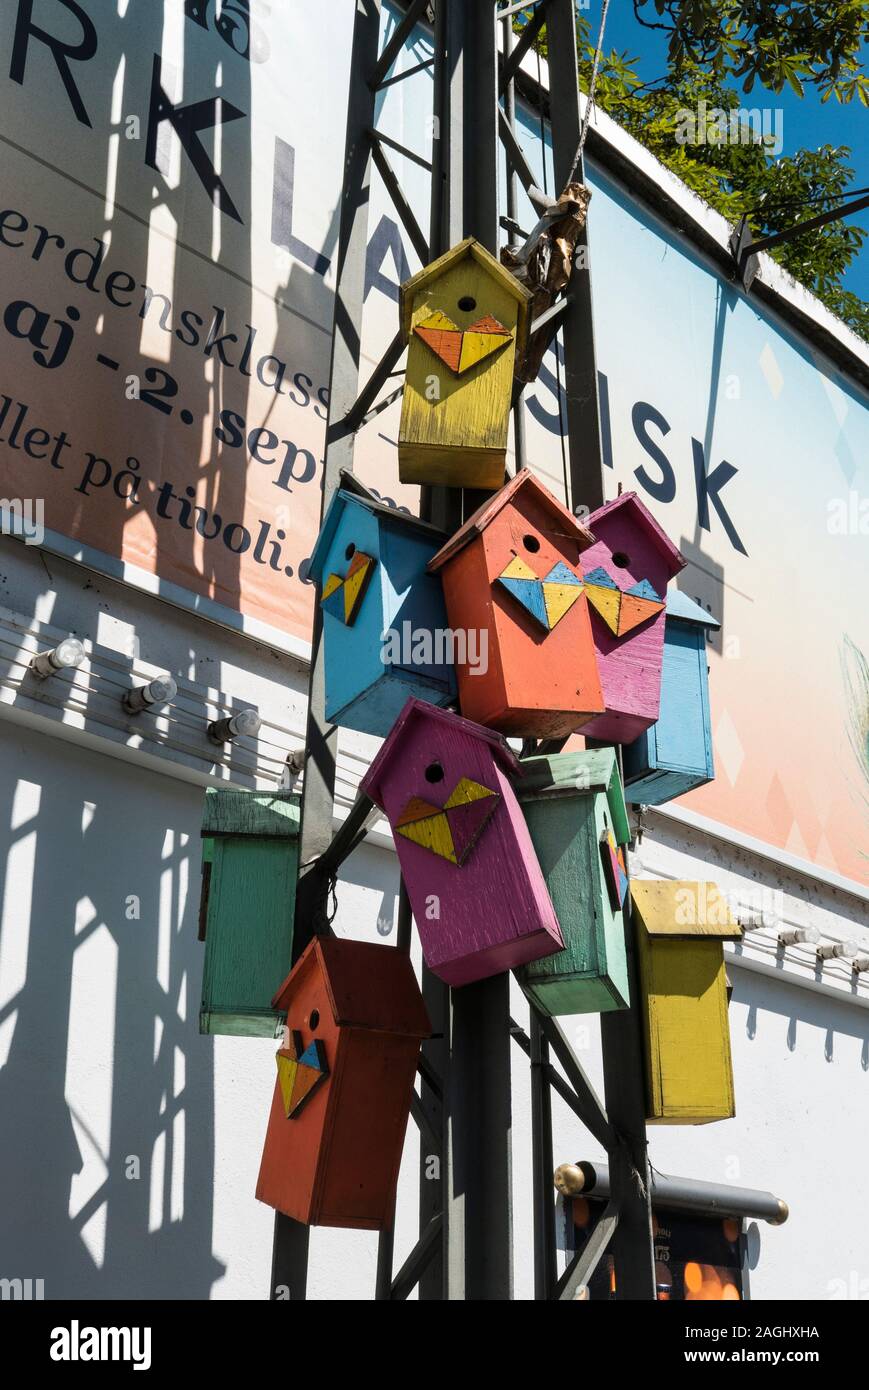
(835, 950)
(793, 936)
(68, 654)
(245, 724)
(155, 693)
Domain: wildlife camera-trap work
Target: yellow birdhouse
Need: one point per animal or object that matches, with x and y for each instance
(681, 930)
(465, 319)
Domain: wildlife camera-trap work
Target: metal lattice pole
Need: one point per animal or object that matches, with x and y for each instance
(464, 1106)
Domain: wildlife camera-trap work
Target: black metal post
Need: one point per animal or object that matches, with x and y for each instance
(580, 370)
(509, 86)
(478, 1103)
(624, 1073)
(542, 1164)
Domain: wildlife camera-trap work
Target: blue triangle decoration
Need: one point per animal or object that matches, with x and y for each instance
(560, 574)
(312, 1056)
(644, 590)
(529, 592)
(334, 604)
(600, 577)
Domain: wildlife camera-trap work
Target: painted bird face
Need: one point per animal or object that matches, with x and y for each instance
(621, 609)
(547, 600)
(459, 349)
(614, 870)
(300, 1070)
(343, 597)
(453, 829)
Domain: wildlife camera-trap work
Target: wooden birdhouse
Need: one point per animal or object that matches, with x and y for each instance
(249, 870)
(465, 320)
(512, 574)
(681, 929)
(626, 573)
(383, 615)
(575, 810)
(345, 1074)
(674, 755)
(476, 889)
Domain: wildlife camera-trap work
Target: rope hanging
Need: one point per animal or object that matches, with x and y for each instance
(590, 102)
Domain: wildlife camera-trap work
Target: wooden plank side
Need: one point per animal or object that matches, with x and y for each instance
(692, 1080)
(231, 811)
(248, 944)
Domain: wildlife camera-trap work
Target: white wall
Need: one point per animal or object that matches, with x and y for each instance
(102, 1061)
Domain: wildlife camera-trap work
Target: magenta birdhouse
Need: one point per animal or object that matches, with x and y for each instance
(476, 889)
(626, 574)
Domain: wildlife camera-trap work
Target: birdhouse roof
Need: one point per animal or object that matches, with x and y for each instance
(231, 811)
(472, 248)
(576, 774)
(630, 504)
(352, 491)
(679, 909)
(452, 724)
(368, 986)
(687, 611)
(524, 482)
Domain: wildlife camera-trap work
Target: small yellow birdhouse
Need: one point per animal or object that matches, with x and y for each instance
(465, 319)
(681, 930)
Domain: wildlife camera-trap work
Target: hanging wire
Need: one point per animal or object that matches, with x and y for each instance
(577, 158)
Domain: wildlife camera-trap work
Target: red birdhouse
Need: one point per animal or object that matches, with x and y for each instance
(512, 580)
(346, 1068)
(626, 572)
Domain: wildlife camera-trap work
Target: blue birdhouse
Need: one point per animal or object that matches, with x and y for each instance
(385, 628)
(674, 755)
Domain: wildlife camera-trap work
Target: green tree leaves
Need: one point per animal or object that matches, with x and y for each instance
(770, 44)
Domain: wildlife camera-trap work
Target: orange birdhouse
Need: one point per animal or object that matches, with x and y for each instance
(345, 1074)
(513, 584)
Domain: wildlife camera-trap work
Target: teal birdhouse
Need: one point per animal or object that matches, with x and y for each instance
(674, 755)
(575, 810)
(249, 867)
(385, 628)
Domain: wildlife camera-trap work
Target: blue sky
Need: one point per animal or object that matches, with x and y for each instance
(805, 121)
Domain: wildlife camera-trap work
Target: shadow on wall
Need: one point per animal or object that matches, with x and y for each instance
(815, 1011)
(107, 1092)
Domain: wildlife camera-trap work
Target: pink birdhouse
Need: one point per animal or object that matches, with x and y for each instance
(626, 574)
(476, 889)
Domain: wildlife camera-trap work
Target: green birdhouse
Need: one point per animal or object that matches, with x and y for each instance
(249, 866)
(575, 809)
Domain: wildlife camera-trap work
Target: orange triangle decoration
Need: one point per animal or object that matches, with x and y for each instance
(635, 611)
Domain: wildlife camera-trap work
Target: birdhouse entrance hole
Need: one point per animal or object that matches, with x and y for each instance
(531, 543)
(467, 303)
(350, 551)
(434, 772)
(621, 559)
